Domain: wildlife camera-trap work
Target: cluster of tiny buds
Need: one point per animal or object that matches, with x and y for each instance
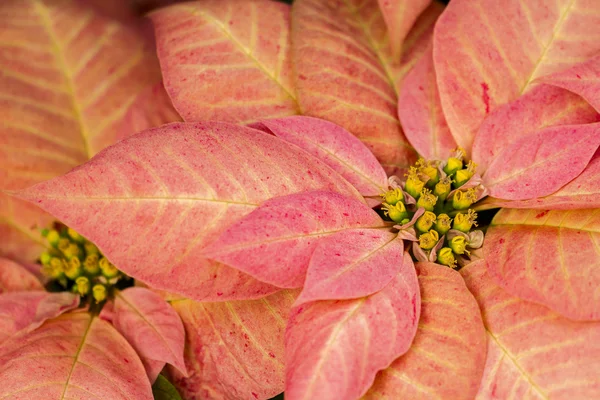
(77, 265)
(443, 228)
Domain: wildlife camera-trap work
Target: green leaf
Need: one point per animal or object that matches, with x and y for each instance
(164, 390)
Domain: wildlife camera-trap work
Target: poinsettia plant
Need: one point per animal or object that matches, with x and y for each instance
(290, 220)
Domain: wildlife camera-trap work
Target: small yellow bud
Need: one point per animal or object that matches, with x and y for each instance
(446, 257)
(91, 265)
(427, 200)
(414, 184)
(45, 258)
(75, 236)
(458, 244)
(55, 268)
(465, 221)
(109, 270)
(63, 244)
(464, 175)
(430, 170)
(99, 293)
(443, 224)
(73, 269)
(443, 188)
(464, 199)
(427, 241)
(453, 165)
(72, 250)
(90, 248)
(397, 213)
(53, 237)
(425, 221)
(83, 285)
(393, 196)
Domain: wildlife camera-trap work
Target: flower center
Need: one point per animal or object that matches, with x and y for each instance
(433, 204)
(73, 263)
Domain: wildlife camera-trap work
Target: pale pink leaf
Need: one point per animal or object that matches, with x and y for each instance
(582, 78)
(274, 243)
(541, 163)
(354, 263)
(74, 356)
(336, 147)
(488, 53)
(548, 257)
(344, 73)
(234, 350)
(150, 325)
(542, 107)
(16, 278)
(418, 41)
(421, 114)
(68, 75)
(334, 349)
(28, 310)
(226, 60)
(151, 108)
(581, 192)
(533, 353)
(447, 356)
(399, 17)
(160, 196)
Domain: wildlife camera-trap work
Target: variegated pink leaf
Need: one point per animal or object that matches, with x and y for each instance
(67, 76)
(226, 60)
(582, 78)
(548, 257)
(354, 263)
(399, 17)
(151, 108)
(74, 356)
(28, 310)
(274, 243)
(533, 353)
(487, 53)
(581, 192)
(336, 147)
(542, 107)
(334, 349)
(344, 73)
(541, 163)
(234, 350)
(160, 196)
(447, 356)
(151, 326)
(421, 114)
(15, 278)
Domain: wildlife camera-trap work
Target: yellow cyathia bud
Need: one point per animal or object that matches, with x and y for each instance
(427, 200)
(397, 213)
(453, 165)
(443, 188)
(72, 250)
(53, 237)
(45, 258)
(73, 269)
(427, 241)
(464, 199)
(429, 169)
(465, 221)
(75, 236)
(55, 268)
(90, 248)
(99, 292)
(91, 264)
(443, 224)
(414, 184)
(458, 244)
(393, 196)
(425, 221)
(63, 244)
(108, 269)
(83, 285)
(446, 257)
(464, 175)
